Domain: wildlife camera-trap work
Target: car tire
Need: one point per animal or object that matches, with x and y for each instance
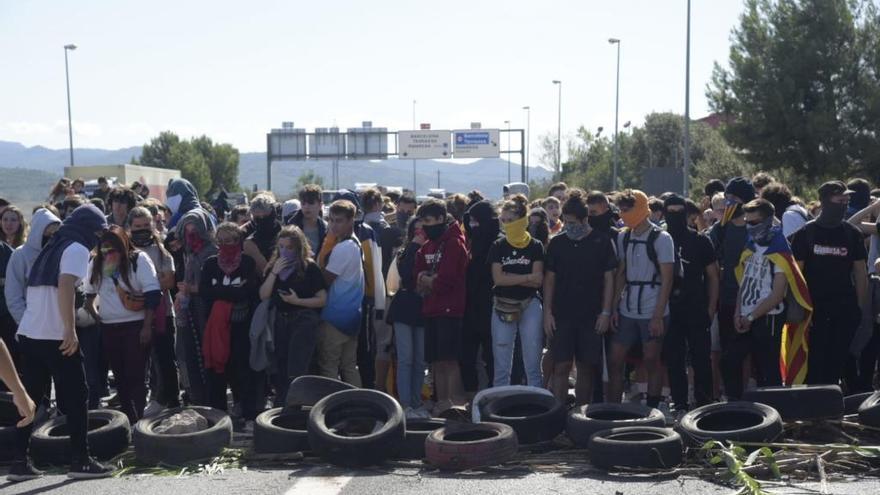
(851, 403)
(417, 431)
(730, 421)
(462, 446)
(636, 447)
(582, 422)
(8, 411)
(800, 402)
(181, 448)
(281, 431)
(109, 435)
(307, 390)
(534, 417)
(356, 427)
(869, 411)
(485, 395)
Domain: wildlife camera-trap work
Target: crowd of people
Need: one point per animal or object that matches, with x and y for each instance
(186, 301)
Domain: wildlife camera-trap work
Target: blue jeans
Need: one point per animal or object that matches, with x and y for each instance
(410, 342)
(531, 334)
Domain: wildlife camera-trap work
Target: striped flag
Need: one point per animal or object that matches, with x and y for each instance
(795, 335)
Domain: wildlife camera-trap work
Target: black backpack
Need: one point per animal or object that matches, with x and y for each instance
(677, 267)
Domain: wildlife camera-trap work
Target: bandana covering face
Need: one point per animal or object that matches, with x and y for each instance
(142, 238)
(229, 257)
(111, 263)
(575, 231)
(195, 241)
(292, 258)
(761, 233)
(517, 232)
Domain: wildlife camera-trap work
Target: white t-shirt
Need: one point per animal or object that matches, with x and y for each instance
(42, 317)
(640, 268)
(110, 307)
(343, 309)
(794, 219)
(757, 283)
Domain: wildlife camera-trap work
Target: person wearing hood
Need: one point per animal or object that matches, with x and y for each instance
(43, 225)
(181, 197)
(289, 209)
(832, 256)
(48, 342)
(517, 261)
(760, 310)
(482, 227)
(260, 244)
(195, 230)
(692, 308)
(440, 274)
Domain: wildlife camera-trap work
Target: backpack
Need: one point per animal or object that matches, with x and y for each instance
(677, 267)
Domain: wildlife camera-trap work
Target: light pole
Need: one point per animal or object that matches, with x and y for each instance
(69, 119)
(527, 144)
(508, 150)
(687, 105)
(414, 160)
(559, 132)
(615, 41)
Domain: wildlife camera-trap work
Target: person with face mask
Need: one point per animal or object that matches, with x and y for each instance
(601, 217)
(261, 243)
(692, 308)
(181, 197)
(518, 272)
(578, 293)
(831, 253)
(482, 229)
(643, 285)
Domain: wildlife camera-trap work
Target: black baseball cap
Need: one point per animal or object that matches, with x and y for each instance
(833, 188)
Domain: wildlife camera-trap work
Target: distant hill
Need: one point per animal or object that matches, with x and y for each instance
(487, 175)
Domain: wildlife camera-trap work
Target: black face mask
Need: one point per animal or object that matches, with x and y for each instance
(265, 224)
(602, 222)
(403, 219)
(676, 223)
(142, 238)
(832, 214)
(434, 232)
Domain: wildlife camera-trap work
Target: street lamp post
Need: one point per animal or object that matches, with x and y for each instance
(508, 150)
(616, 41)
(414, 160)
(69, 119)
(527, 145)
(559, 132)
(687, 105)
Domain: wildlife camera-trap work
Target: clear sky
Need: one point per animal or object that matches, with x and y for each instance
(235, 69)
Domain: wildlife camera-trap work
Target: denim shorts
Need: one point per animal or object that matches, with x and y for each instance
(631, 330)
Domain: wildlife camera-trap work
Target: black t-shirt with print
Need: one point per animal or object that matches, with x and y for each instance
(828, 255)
(517, 262)
(696, 253)
(579, 268)
(306, 285)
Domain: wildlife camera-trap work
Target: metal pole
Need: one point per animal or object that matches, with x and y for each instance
(528, 143)
(616, 117)
(268, 162)
(559, 135)
(687, 105)
(438, 178)
(508, 151)
(414, 160)
(522, 156)
(69, 118)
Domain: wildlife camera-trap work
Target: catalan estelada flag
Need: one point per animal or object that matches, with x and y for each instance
(793, 353)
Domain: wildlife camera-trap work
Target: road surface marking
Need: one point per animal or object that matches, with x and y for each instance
(318, 485)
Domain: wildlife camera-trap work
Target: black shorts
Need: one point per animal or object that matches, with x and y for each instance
(576, 339)
(443, 339)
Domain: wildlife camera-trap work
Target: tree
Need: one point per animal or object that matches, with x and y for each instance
(193, 167)
(801, 87)
(207, 165)
(156, 153)
(222, 160)
(308, 177)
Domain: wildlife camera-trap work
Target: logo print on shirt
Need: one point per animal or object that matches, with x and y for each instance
(838, 251)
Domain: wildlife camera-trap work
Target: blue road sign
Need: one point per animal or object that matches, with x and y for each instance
(472, 138)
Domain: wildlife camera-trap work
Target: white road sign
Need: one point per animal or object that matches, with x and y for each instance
(424, 144)
(476, 143)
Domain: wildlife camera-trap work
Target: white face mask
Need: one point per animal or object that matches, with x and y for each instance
(173, 203)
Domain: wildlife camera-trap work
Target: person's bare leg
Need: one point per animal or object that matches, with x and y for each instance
(560, 380)
(616, 363)
(455, 387)
(583, 390)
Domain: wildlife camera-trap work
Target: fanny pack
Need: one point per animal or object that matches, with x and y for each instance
(131, 302)
(510, 310)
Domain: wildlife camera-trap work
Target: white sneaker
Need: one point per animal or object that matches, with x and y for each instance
(153, 408)
(410, 413)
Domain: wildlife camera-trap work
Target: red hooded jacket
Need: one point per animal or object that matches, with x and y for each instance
(448, 293)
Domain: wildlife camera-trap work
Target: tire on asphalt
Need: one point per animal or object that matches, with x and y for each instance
(307, 390)
(636, 447)
(8, 411)
(869, 411)
(533, 416)
(108, 436)
(280, 431)
(582, 422)
(462, 446)
(178, 449)
(800, 402)
(417, 431)
(851, 403)
(736, 421)
(484, 395)
(356, 427)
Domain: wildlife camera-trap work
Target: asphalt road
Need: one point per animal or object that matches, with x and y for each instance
(324, 480)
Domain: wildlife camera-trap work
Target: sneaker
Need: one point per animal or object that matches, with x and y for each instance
(89, 470)
(421, 413)
(152, 409)
(23, 471)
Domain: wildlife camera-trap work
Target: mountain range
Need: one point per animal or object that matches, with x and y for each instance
(486, 175)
